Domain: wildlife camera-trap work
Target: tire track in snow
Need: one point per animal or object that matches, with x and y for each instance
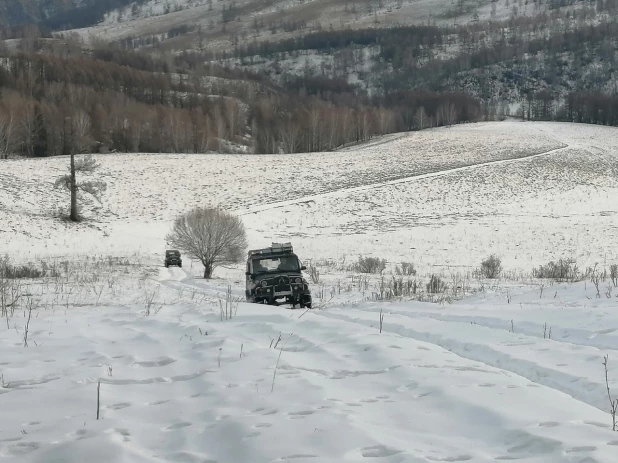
(530, 329)
(581, 389)
(372, 186)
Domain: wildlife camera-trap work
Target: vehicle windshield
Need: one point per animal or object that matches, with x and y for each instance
(276, 264)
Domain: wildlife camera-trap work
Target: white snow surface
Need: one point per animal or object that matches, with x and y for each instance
(531, 192)
(439, 383)
(511, 371)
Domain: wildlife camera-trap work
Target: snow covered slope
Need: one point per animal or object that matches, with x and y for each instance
(531, 192)
(187, 372)
(179, 382)
(156, 17)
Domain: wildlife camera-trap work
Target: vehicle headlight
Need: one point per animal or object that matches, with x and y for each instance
(298, 280)
(264, 283)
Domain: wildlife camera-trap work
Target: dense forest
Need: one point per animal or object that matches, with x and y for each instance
(57, 96)
(129, 101)
(555, 66)
(58, 14)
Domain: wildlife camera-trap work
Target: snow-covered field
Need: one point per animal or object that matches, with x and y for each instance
(511, 371)
(503, 375)
(531, 192)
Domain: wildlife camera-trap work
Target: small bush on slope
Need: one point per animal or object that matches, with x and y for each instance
(563, 270)
(491, 267)
(370, 265)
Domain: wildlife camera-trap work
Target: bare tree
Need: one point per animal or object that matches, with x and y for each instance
(420, 118)
(95, 188)
(7, 129)
(289, 132)
(211, 235)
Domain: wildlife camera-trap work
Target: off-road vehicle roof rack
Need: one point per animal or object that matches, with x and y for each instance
(275, 249)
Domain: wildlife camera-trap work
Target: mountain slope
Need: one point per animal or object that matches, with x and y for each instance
(58, 13)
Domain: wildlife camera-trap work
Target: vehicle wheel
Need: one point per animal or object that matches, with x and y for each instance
(180, 265)
(166, 265)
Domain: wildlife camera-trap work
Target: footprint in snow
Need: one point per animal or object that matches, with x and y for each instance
(453, 458)
(585, 448)
(407, 387)
(22, 448)
(378, 451)
(158, 402)
(597, 424)
(81, 434)
(182, 424)
(549, 424)
(299, 455)
(119, 406)
(188, 457)
(300, 415)
(122, 432)
(16, 439)
(262, 425)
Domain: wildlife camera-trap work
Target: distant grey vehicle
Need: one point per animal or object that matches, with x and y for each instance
(172, 257)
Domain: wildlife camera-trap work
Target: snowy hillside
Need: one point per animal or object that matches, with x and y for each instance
(402, 197)
(154, 17)
(185, 371)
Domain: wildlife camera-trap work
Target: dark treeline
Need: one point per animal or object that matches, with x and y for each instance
(562, 68)
(391, 39)
(584, 42)
(89, 13)
(26, 31)
(60, 14)
(588, 107)
(51, 105)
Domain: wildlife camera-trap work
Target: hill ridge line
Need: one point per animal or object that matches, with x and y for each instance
(372, 186)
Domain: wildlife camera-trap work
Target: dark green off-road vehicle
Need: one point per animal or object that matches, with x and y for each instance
(274, 274)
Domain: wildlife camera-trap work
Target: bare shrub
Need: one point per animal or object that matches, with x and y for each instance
(314, 273)
(370, 265)
(595, 278)
(210, 235)
(149, 297)
(396, 287)
(229, 306)
(613, 274)
(403, 288)
(17, 272)
(491, 267)
(613, 403)
(436, 285)
(405, 269)
(10, 290)
(563, 270)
